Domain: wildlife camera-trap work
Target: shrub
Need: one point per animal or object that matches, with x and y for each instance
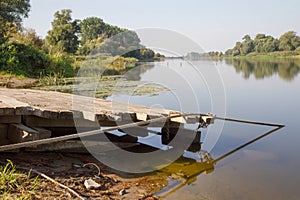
(20, 59)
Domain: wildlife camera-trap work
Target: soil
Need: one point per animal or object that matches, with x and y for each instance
(15, 82)
(73, 169)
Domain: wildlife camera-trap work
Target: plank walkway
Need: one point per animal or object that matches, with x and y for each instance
(56, 105)
(28, 115)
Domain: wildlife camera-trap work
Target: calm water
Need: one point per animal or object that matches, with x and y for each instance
(259, 91)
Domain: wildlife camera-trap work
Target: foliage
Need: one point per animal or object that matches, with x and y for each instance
(12, 12)
(52, 79)
(16, 185)
(60, 64)
(247, 45)
(20, 59)
(63, 36)
(289, 41)
(92, 28)
(98, 36)
(89, 46)
(265, 44)
(28, 37)
(120, 44)
(210, 55)
(22, 52)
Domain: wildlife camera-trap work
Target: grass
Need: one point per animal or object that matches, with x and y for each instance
(56, 79)
(4, 74)
(15, 184)
(271, 55)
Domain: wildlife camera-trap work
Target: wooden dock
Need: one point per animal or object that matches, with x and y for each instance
(29, 115)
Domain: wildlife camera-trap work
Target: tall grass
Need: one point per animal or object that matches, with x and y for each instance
(16, 185)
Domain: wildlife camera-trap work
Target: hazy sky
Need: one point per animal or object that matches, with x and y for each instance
(213, 24)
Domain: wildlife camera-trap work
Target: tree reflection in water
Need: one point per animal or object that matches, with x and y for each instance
(287, 69)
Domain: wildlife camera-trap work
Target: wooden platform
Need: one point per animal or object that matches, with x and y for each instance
(27, 115)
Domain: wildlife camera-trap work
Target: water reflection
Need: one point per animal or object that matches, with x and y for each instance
(135, 73)
(287, 69)
(186, 170)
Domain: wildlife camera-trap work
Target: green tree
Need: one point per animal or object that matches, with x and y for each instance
(236, 51)
(125, 43)
(11, 14)
(28, 37)
(259, 41)
(289, 41)
(247, 45)
(270, 44)
(63, 36)
(91, 28)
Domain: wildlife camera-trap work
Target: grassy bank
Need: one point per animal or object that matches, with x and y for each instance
(265, 56)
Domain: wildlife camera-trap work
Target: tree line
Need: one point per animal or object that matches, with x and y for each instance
(68, 42)
(263, 43)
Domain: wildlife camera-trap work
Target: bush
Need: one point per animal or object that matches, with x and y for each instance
(20, 59)
(61, 64)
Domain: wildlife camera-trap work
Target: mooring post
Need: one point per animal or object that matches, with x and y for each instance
(169, 131)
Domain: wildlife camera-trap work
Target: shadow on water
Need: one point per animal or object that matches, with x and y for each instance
(194, 161)
(185, 171)
(286, 69)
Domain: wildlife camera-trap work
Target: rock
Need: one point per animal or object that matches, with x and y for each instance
(90, 184)
(77, 166)
(122, 192)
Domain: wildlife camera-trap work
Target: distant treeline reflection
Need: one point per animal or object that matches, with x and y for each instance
(260, 69)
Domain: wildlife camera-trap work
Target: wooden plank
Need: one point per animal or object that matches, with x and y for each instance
(77, 146)
(49, 114)
(49, 104)
(74, 136)
(43, 133)
(15, 119)
(7, 111)
(142, 116)
(136, 131)
(34, 121)
(24, 110)
(3, 132)
(185, 119)
(19, 133)
(70, 114)
(4, 141)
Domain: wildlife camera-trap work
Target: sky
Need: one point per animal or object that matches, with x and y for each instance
(215, 25)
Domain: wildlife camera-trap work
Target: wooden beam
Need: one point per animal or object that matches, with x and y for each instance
(14, 119)
(7, 111)
(3, 131)
(43, 133)
(19, 133)
(142, 116)
(34, 121)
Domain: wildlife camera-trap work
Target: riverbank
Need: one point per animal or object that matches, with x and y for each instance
(272, 55)
(72, 170)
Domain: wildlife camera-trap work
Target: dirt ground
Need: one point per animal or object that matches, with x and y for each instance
(14, 82)
(73, 169)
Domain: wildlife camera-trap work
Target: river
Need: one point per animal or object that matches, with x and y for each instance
(265, 91)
